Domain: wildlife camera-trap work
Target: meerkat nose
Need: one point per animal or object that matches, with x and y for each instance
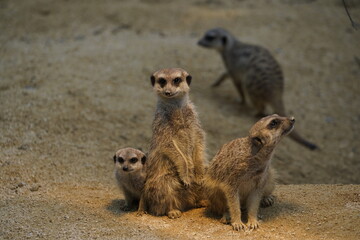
(292, 119)
(167, 93)
(125, 168)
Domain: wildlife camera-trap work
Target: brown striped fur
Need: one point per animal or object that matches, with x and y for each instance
(177, 150)
(241, 176)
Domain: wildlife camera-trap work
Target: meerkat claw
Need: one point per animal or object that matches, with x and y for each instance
(238, 226)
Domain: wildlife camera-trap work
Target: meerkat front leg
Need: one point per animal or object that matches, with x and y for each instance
(183, 164)
(142, 208)
(252, 206)
(233, 200)
(199, 156)
(128, 201)
(222, 77)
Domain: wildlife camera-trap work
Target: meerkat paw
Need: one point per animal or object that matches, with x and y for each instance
(225, 219)
(186, 181)
(140, 213)
(252, 224)
(267, 201)
(174, 214)
(238, 226)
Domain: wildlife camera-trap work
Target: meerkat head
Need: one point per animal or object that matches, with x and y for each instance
(269, 130)
(129, 160)
(171, 82)
(216, 38)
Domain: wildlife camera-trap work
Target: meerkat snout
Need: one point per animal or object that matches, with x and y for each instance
(171, 84)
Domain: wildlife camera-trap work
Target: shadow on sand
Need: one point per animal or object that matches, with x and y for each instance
(116, 205)
(268, 213)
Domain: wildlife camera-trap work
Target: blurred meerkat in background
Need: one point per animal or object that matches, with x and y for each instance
(255, 73)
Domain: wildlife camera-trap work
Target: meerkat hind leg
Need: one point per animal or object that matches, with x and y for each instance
(260, 107)
(268, 199)
(225, 219)
(221, 79)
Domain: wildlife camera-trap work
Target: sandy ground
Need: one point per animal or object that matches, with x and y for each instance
(74, 87)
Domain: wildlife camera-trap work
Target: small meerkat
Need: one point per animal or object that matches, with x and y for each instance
(175, 165)
(130, 173)
(241, 176)
(254, 71)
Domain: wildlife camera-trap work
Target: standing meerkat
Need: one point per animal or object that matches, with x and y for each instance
(130, 173)
(175, 165)
(240, 175)
(254, 71)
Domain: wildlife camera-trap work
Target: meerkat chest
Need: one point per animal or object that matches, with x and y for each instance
(177, 122)
(132, 182)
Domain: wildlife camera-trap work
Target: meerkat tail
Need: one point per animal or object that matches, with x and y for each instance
(182, 154)
(296, 137)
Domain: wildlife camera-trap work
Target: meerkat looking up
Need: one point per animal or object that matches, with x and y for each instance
(240, 175)
(130, 174)
(175, 165)
(255, 73)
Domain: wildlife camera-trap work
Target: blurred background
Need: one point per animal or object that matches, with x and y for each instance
(74, 82)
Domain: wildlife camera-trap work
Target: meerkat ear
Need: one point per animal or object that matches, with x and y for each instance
(188, 79)
(256, 145)
(224, 40)
(143, 159)
(114, 158)
(152, 78)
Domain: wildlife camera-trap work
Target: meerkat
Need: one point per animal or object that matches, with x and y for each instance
(241, 176)
(130, 173)
(255, 72)
(175, 165)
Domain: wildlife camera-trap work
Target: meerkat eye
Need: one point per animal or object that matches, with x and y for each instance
(273, 123)
(121, 160)
(162, 82)
(133, 160)
(209, 38)
(177, 80)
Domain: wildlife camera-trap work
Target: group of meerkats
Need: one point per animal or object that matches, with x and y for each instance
(174, 176)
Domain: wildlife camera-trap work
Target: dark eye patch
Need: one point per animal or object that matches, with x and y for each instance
(162, 82)
(274, 123)
(177, 80)
(133, 160)
(209, 38)
(121, 160)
